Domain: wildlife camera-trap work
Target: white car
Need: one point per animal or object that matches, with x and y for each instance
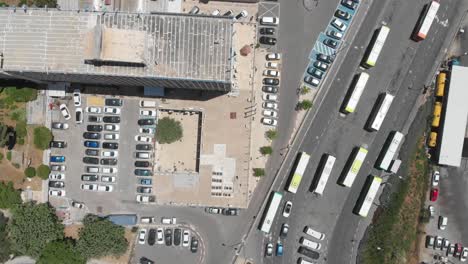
(111, 127)
(271, 65)
(270, 105)
(147, 112)
(145, 198)
(77, 205)
(287, 209)
(143, 139)
(111, 136)
(273, 56)
(109, 170)
(270, 97)
(79, 115)
(338, 24)
(435, 178)
(464, 254)
(57, 176)
(105, 188)
(112, 110)
(89, 187)
(65, 112)
(142, 236)
(160, 236)
(271, 73)
(108, 154)
(242, 14)
(107, 178)
(57, 193)
(92, 109)
(270, 113)
(186, 238)
(77, 97)
(269, 121)
(146, 130)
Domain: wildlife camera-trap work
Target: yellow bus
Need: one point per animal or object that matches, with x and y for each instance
(436, 114)
(441, 84)
(432, 139)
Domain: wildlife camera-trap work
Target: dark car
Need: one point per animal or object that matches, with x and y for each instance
(311, 80)
(92, 152)
(271, 81)
(168, 236)
(110, 145)
(321, 66)
(144, 147)
(267, 40)
(142, 172)
(94, 128)
(330, 43)
(230, 211)
(141, 189)
(144, 260)
(111, 119)
(90, 160)
(94, 119)
(269, 89)
(58, 144)
(194, 245)
(113, 102)
(143, 164)
(89, 177)
(267, 31)
(111, 162)
(325, 58)
(152, 236)
(308, 252)
(56, 184)
(91, 135)
(342, 14)
(91, 144)
(314, 72)
(177, 236)
(146, 122)
(349, 4)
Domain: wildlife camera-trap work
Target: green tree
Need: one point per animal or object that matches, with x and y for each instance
(30, 172)
(266, 150)
(43, 171)
(168, 131)
(59, 252)
(21, 130)
(259, 172)
(271, 134)
(5, 245)
(305, 90)
(100, 237)
(32, 227)
(9, 196)
(304, 105)
(42, 137)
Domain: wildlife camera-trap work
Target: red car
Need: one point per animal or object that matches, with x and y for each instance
(434, 194)
(458, 250)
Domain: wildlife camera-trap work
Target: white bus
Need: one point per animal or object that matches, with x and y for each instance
(389, 149)
(375, 47)
(369, 191)
(324, 174)
(352, 99)
(425, 21)
(353, 169)
(377, 117)
(303, 161)
(271, 211)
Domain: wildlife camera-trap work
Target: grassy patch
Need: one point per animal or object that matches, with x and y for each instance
(20, 94)
(8, 155)
(395, 230)
(18, 114)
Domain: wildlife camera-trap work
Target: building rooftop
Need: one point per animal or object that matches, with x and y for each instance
(456, 112)
(141, 45)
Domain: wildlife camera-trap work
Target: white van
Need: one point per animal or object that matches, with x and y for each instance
(310, 244)
(169, 220)
(303, 261)
(147, 220)
(269, 21)
(313, 233)
(443, 220)
(144, 103)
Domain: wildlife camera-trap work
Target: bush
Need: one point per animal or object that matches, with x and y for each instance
(8, 155)
(21, 95)
(259, 172)
(5, 244)
(20, 141)
(168, 131)
(21, 129)
(43, 171)
(42, 137)
(9, 196)
(16, 165)
(271, 134)
(305, 90)
(30, 172)
(18, 114)
(304, 105)
(60, 251)
(266, 150)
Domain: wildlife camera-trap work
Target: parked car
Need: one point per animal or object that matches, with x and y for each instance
(56, 184)
(464, 254)
(443, 221)
(111, 136)
(325, 58)
(279, 249)
(186, 238)
(267, 31)
(434, 194)
(113, 102)
(438, 242)
(110, 145)
(342, 14)
(111, 119)
(451, 250)
(146, 130)
(349, 4)
(57, 159)
(330, 43)
(107, 178)
(58, 144)
(271, 81)
(321, 66)
(213, 210)
(287, 209)
(445, 244)
(144, 147)
(93, 109)
(151, 236)
(145, 198)
(109, 170)
(89, 177)
(177, 236)
(308, 252)
(94, 119)
(269, 249)
(142, 236)
(143, 139)
(145, 181)
(77, 204)
(111, 127)
(107, 161)
(271, 65)
(435, 178)
(105, 188)
(59, 193)
(65, 112)
(458, 250)
(112, 110)
(147, 112)
(335, 34)
(79, 115)
(430, 241)
(194, 10)
(142, 189)
(160, 236)
(230, 211)
(146, 122)
(91, 144)
(242, 14)
(143, 172)
(273, 56)
(89, 187)
(92, 152)
(168, 236)
(315, 72)
(270, 113)
(142, 164)
(269, 89)
(269, 121)
(228, 13)
(194, 245)
(268, 40)
(271, 73)
(77, 97)
(311, 80)
(58, 168)
(91, 135)
(284, 230)
(215, 13)
(270, 97)
(57, 176)
(338, 24)
(94, 128)
(90, 160)
(270, 105)
(431, 210)
(58, 125)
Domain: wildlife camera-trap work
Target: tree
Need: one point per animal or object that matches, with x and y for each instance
(32, 227)
(266, 150)
(30, 172)
(42, 137)
(259, 172)
(43, 171)
(168, 131)
(5, 245)
(21, 130)
(100, 237)
(304, 105)
(59, 252)
(9, 196)
(271, 134)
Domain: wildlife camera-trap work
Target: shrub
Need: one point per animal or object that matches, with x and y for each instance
(21, 129)
(266, 150)
(16, 165)
(43, 171)
(42, 137)
(271, 134)
(20, 141)
(9, 196)
(30, 172)
(18, 114)
(304, 105)
(305, 90)
(259, 172)
(8, 155)
(168, 131)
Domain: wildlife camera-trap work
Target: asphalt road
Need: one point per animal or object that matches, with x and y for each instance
(403, 68)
